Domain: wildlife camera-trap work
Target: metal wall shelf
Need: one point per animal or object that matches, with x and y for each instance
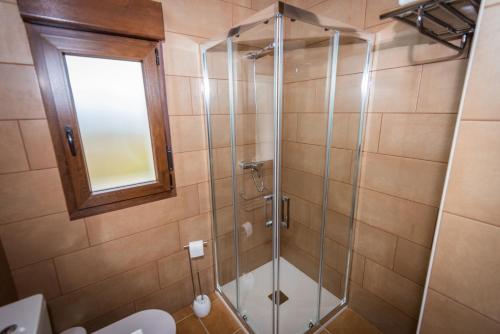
(449, 22)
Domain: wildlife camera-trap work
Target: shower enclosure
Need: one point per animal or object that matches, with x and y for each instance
(285, 128)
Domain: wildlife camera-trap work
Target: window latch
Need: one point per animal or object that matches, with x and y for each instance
(71, 140)
(157, 56)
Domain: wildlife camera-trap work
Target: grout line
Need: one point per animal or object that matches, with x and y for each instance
(361, 187)
(464, 305)
(202, 325)
(470, 218)
(470, 120)
(380, 131)
(14, 63)
(394, 256)
(23, 142)
(420, 75)
(30, 170)
(32, 218)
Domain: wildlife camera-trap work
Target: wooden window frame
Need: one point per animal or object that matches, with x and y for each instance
(49, 45)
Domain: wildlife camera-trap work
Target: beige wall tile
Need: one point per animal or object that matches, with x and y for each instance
(188, 133)
(93, 264)
(204, 197)
(181, 55)
(120, 223)
(350, 12)
(261, 4)
(396, 290)
(195, 228)
(19, 92)
(416, 180)
(375, 8)
(395, 90)
(380, 313)
(12, 154)
(14, 47)
(375, 244)
(37, 278)
(372, 132)
(175, 267)
(30, 194)
(100, 298)
(345, 130)
(397, 45)
(475, 176)
(357, 268)
(441, 87)
(38, 144)
(290, 126)
(220, 126)
(300, 97)
(311, 128)
(443, 315)
(337, 227)
(30, 241)
(302, 184)
(109, 317)
(207, 18)
(411, 261)
(341, 165)
(340, 197)
(348, 93)
(404, 218)
(178, 95)
(191, 167)
(244, 3)
(418, 136)
(304, 157)
(241, 13)
(466, 264)
(352, 58)
(482, 99)
(175, 296)
(197, 97)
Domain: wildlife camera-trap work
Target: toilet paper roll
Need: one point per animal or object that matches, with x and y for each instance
(247, 228)
(196, 249)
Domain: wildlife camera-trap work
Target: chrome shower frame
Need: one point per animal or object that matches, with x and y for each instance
(275, 14)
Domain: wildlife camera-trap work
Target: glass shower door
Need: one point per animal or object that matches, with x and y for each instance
(239, 74)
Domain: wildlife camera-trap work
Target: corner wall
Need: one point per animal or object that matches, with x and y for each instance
(464, 288)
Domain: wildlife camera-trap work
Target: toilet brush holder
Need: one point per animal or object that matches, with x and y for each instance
(202, 306)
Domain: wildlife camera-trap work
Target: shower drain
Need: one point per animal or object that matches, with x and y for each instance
(281, 297)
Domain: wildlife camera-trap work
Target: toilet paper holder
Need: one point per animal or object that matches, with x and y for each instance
(205, 244)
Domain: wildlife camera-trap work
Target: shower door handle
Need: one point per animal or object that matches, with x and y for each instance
(285, 211)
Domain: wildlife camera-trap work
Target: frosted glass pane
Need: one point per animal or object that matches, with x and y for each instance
(112, 117)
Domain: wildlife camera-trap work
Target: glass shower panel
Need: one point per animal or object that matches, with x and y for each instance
(308, 62)
(253, 74)
(343, 168)
(219, 131)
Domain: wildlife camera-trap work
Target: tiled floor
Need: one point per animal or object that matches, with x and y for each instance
(349, 322)
(219, 321)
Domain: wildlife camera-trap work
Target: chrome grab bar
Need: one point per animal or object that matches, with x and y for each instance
(285, 211)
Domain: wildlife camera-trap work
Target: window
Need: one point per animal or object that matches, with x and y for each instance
(105, 101)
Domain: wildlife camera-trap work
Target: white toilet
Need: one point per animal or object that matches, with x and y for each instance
(30, 316)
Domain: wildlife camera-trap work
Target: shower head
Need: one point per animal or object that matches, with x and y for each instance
(260, 53)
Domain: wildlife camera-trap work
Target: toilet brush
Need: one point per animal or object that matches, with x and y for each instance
(201, 303)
